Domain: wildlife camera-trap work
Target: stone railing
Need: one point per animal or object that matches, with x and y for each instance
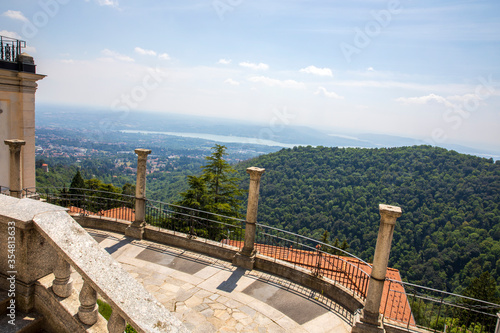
(32, 224)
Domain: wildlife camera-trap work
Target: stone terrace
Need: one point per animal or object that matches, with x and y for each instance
(210, 295)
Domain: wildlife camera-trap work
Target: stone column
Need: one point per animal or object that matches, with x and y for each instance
(116, 323)
(497, 330)
(246, 257)
(370, 319)
(62, 285)
(87, 312)
(136, 229)
(16, 177)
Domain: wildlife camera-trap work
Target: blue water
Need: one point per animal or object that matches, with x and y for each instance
(220, 138)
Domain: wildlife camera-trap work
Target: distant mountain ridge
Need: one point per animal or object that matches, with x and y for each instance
(108, 120)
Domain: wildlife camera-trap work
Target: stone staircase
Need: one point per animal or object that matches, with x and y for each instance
(32, 322)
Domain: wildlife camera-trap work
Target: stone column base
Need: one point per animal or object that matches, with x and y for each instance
(363, 327)
(135, 231)
(244, 261)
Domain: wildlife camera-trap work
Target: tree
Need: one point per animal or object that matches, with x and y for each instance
(77, 184)
(484, 288)
(196, 196)
(216, 190)
(128, 189)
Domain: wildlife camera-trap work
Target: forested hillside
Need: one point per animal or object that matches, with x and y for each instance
(449, 232)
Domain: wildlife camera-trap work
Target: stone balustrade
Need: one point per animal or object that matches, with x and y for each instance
(39, 224)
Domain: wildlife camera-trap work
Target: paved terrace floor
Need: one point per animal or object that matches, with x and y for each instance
(211, 295)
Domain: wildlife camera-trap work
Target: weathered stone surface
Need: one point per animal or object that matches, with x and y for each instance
(104, 274)
(388, 216)
(246, 258)
(34, 257)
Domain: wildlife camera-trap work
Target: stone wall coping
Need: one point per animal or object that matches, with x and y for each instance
(104, 274)
(118, 288)
(22, 211)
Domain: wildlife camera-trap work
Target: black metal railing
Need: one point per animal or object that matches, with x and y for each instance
(195, 223)
(320, 258)
(10, 48)
(206, 226)
(405, 304)
(418, 307)
(87, 202)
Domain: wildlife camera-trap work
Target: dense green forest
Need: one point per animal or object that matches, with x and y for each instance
(449, 232)
(162, 185)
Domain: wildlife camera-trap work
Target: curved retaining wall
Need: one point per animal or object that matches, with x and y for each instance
(326, 287)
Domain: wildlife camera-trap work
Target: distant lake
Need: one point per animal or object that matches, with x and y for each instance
(220, 138)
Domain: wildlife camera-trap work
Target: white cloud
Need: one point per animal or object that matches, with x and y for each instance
(115, 55)
(10, 34)
(232, 82)
(330, 94)
(428, 99)
(29, 49)
(370, 69)
(224, 61)
(259, 66)
(164, 56)
(144, 52)
(317, 71)
(15, 15)
(111, 3)
(277, 83)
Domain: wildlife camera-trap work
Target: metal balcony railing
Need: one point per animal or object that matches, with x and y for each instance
(418, 307)
(10, 48)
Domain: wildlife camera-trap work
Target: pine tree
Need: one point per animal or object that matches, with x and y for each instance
(77, 184)
(196, 196)
(214, 191)
(221, 186)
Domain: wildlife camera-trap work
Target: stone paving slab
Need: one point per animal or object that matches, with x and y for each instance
(211, 295)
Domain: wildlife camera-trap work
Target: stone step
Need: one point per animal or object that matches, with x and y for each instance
(23, 323)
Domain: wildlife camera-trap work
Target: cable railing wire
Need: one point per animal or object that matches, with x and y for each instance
(438, 310)
(318, 257)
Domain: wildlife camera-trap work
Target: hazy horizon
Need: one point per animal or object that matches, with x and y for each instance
(426, 70)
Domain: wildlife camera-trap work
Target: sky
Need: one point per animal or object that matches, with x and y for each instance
(424, 69)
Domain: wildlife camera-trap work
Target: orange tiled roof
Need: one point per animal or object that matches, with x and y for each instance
(394, 303)
(121, 213)
(78, 210)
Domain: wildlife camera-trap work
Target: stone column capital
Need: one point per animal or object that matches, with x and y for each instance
(15, 144)
(255, 173)
(389, 214)
(142, 153)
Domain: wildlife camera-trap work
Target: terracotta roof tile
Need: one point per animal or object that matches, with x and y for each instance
(347, 271)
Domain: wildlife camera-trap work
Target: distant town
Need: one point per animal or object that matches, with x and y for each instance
(169, 152)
